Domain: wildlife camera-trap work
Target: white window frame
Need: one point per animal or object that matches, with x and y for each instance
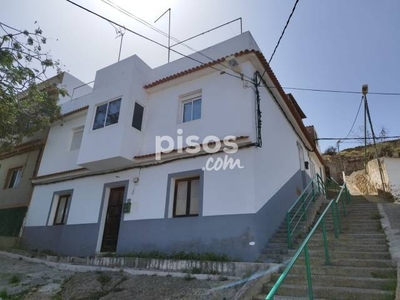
(187, 98)
(54, 205)
(9, 177)
(74, 131)
(105, 119)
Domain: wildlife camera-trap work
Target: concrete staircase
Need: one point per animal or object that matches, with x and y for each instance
(277, 250)
(361, 266)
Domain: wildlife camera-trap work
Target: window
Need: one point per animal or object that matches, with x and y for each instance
(191, 107)
(137, 116)
(76, 139)
(186, 197)
(13, 178)
(61, 211)
(107, 114)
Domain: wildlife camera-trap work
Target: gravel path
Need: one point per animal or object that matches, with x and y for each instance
(34, 281)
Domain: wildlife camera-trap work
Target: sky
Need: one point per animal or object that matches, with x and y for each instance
(337, 45)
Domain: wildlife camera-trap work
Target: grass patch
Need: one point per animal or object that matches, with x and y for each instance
(15, 279)
(56, 297)
(189, 277)
(3, 294)
(389, 286)
(376, 216)
(181, 255)
(389, 276)
(197, 270)
(103, 278)
(201, 271)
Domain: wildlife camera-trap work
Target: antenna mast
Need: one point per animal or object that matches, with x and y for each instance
(169, 30)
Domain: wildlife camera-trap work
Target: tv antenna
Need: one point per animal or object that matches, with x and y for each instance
(169, 30)
(120, 31)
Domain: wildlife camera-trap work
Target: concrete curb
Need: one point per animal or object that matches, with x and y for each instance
(393, 237)
(83, 268)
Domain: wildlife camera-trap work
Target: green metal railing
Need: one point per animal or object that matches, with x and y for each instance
(344, 198)
(298, 211)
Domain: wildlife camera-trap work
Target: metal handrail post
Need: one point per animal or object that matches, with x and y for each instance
(308, 269)
(288, 230)
(327, 260)
(334, 222)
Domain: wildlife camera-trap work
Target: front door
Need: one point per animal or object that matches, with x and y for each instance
(113, 219)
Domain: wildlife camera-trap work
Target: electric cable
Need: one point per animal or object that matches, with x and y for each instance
(283, 32)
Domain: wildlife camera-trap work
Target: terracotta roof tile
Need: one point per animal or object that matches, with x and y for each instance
(74, 111)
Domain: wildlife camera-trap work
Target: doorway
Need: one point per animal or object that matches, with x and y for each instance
(113, 220)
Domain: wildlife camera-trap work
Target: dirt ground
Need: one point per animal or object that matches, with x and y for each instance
(33, 281)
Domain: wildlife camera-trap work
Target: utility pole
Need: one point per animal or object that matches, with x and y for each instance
(169, 30)
(365, 92)
(367, 114)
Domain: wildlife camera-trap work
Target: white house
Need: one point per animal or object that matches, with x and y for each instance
(103, 187)
(20, 164)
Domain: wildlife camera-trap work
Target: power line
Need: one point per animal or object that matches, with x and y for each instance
(340, 91)
(355, 119)
(155, 42)
(224, 72)
(356, 138)
(284, 29)
(178, 42)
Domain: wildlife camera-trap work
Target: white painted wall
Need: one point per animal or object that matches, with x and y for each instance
(57, 156)
(227, 109)
(225, 192)
(278, 159)
(393, 171)
(118, 142)
(223, 49)
(70, 84)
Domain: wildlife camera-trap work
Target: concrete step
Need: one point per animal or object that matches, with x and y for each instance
(371, 272)
(313, 252)
(339, 281)
(344, 246)
(262, 297)
(344, 242)
(349, 262)
(353, 236)
(332, 292)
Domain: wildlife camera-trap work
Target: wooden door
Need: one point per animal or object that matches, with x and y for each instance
(113, 220)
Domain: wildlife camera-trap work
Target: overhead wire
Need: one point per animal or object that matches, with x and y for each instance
(355, 119)
(283, 31)
(140, 20)
(155, 42)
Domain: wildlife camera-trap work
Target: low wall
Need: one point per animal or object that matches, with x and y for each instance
(234, 269)
(7, 242)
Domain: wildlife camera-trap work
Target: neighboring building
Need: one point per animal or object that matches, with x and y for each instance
(19, 165)
(101, 188)
(390, 175)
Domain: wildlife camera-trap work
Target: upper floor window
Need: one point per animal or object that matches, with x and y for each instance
(107, 114)
(137, 116)
(13, 178)
(76, 139)
(191, 107)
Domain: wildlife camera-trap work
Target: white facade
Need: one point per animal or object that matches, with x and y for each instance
(246, 204)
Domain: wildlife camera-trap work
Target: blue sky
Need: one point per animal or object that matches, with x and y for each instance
(336, 45)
